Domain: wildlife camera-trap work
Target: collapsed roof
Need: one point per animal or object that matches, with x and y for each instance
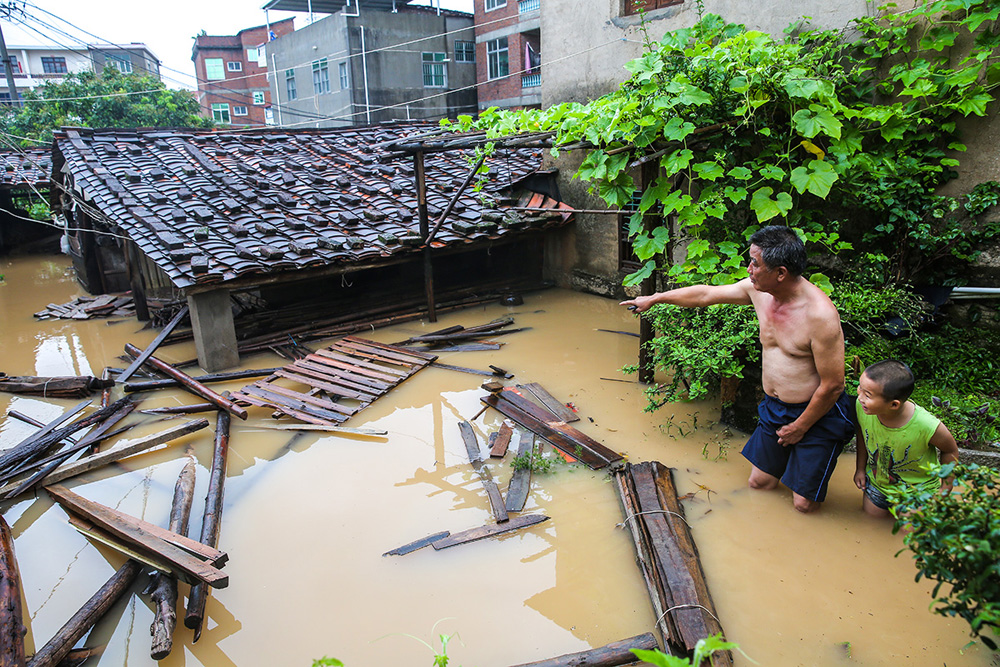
(215, 207)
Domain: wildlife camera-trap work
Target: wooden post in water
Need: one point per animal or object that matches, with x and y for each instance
(133, 264)
(164, 594)
(420, 176)
(11, 621)
(195, 615)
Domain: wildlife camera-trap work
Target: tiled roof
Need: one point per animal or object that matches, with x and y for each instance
(210, 207)
(25, 168)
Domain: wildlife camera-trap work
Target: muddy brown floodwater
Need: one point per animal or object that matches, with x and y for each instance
(306, 525)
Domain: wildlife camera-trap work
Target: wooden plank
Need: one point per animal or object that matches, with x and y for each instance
(151, 348)
(318, 401)
(473, 534)
(348, 364)
(147, 542)
(378, 355)
(328, 429)
(462, 369)
(302, 416)
(550, 402)
(417, 544)
(610, 655)
(520, 481)
(475, 458)
(340, 376)
(281, 402)
(325, 385)
(146, 385)
(470, 440)
(11, 616)
(502, 441)
(52, 425)
(542, 415)
(88, 529)
(426, 356)
(117, 453)
(553, 436)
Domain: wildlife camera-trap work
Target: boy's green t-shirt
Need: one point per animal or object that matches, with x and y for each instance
(901, 454)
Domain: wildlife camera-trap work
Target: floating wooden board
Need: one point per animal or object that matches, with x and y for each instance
(520, 481)
(536, 392)
(473, 534)
(610, 655)
(336, 382)
(417, 544)
(561, 435)
(145, 538)
(475, 458)
(502, 441)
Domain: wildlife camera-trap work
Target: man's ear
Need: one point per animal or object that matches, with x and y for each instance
(781, 273)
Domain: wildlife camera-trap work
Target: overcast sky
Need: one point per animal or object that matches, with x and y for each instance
(167, 29)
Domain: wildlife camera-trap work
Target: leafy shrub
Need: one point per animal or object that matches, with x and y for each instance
(955, 539)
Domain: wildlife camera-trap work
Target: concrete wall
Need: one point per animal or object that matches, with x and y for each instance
(390, 71)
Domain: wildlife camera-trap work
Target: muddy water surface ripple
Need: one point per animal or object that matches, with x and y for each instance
(306, 525)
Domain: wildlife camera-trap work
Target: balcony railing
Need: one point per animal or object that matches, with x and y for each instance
(524, 6)
(531, 80)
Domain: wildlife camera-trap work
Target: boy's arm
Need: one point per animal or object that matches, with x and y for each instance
(860, 476)
(948, 451)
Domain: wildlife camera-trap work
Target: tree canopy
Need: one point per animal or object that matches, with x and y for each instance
(109, 99)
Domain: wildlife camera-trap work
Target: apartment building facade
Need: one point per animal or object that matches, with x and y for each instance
(373, 61)
(508, 53)
(232, 74)
(34, 65)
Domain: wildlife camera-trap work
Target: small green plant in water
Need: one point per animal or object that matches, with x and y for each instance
(702, 651)
(327, 662)
(533, 461)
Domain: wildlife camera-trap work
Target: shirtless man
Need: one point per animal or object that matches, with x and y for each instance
(805, 416)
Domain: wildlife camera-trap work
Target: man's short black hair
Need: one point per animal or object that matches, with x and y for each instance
(894, 377)
(780, 246)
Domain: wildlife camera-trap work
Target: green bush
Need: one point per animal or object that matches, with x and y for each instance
(955, 539)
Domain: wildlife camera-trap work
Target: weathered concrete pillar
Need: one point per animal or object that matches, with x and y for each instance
(214, 330)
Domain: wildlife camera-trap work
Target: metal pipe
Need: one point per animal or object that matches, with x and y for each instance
(364, 67)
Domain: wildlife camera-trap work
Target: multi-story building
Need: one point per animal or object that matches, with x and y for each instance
(374, 61)
(34, 65)
(232, 74)
(508, 53)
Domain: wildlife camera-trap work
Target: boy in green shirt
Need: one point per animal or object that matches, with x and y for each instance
(898, 441)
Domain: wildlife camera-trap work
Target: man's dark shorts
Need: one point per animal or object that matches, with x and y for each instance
(805, 467)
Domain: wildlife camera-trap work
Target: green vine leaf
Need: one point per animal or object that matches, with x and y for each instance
(644, 272)
(815, 120)
(767, 207)
(817, 177)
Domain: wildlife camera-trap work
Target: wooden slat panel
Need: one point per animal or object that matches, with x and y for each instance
(285, 402)
(571, 432)
(346, 377)
(378, 355)
(301, 416)
(318, 401)
(420, 355)
(337, 389)
(333, 359)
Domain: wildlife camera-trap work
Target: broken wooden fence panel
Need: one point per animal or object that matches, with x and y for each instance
(611, 655)
(668, 558)
(188, 567)
(211, 520)
(475, 458)
(147, 385)
(478, 533)
(83, 620)
(417, 544)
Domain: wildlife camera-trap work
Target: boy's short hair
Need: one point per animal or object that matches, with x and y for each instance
(894, 377)
(781, 246)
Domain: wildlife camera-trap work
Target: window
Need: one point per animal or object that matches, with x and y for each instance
(258, 97)
(269, 116)
(496, 58)
(240, 111)
(345, 81)
(465, 52)
(234, 66)
(5, 98)
(122, 63)
(290, 84)
(321, 76)
(220, 114)
(252, 55)
(14, 66)
(54, 65)
(213, 69)
(435, 70)
(495, 4)
(636, 6)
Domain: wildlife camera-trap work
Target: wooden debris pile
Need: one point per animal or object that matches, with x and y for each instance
(668, 557)
(88, 307)
(461, 339)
